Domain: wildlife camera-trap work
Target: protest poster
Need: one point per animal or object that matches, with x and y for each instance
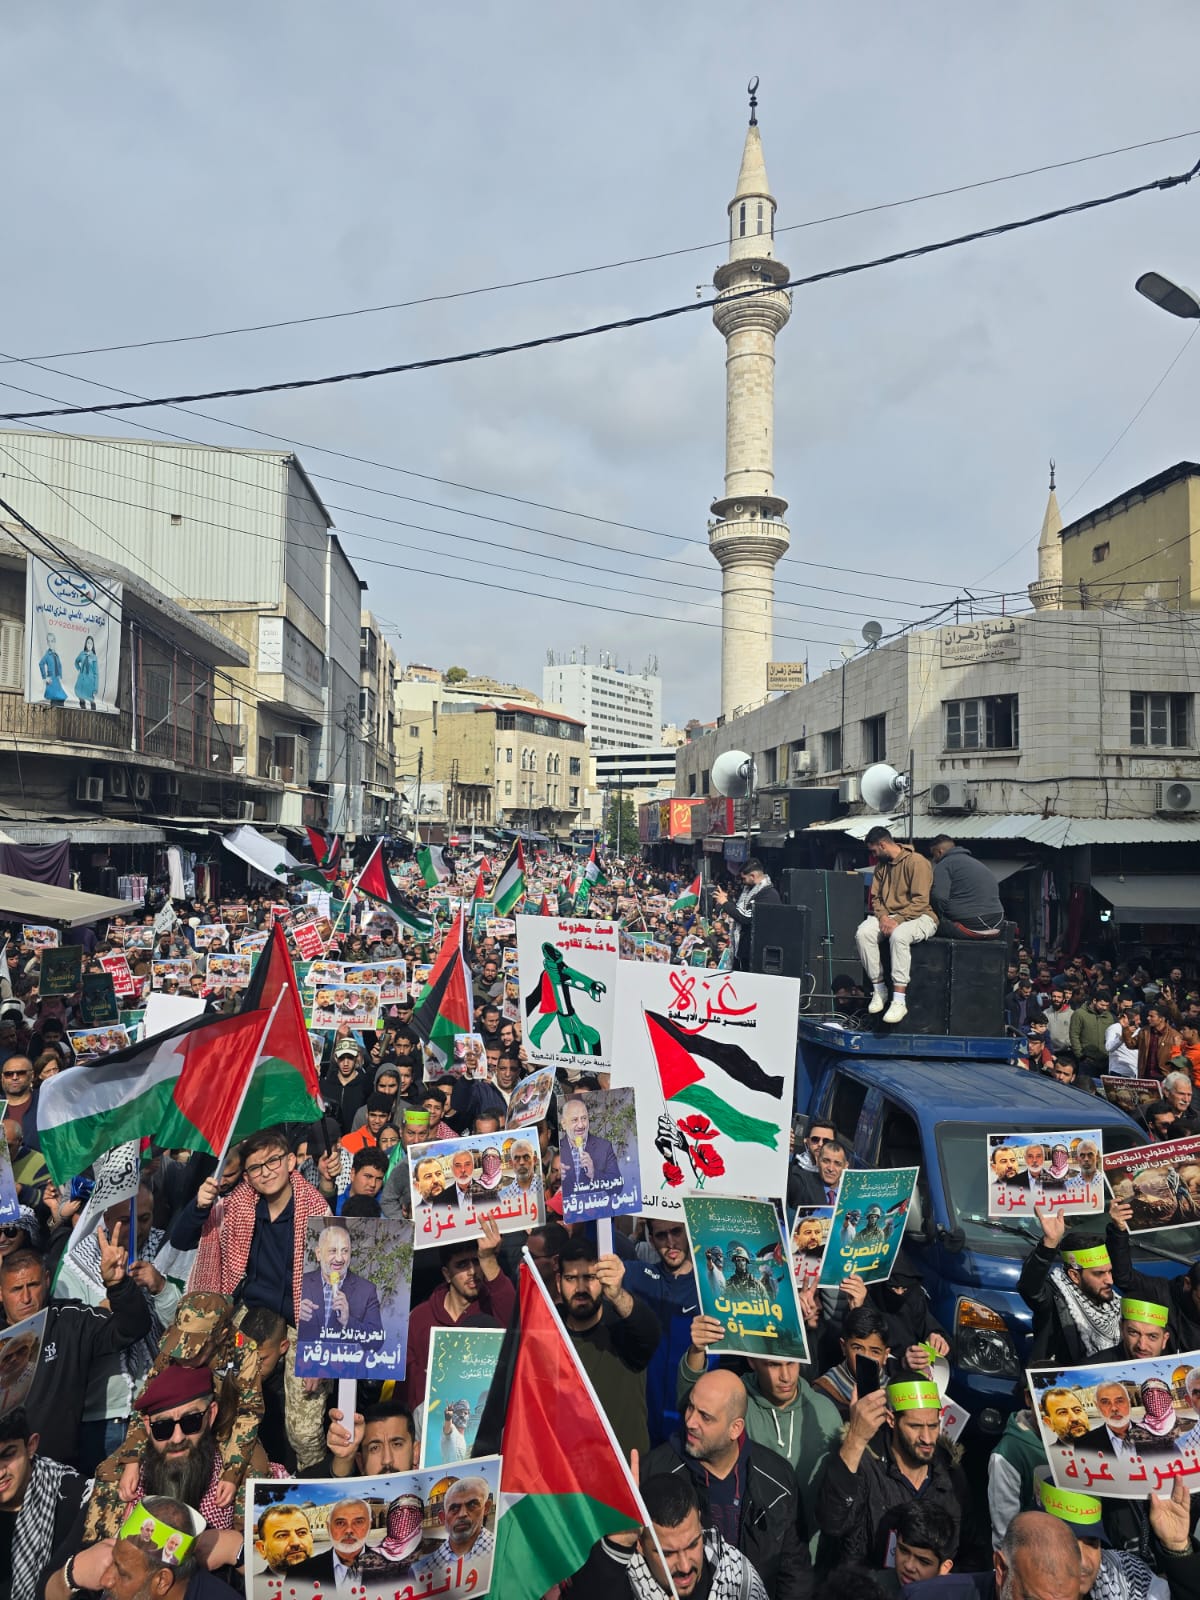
(653, 951)
(166, 1011)
(179, 968)
(808, 1242)
(250, 943)
(228, 971)
(316, 1039)
(462, 1365)
(510, 958)
(420, 979)
(139, 938)
(1160, 1181)
(1131, 1095)
(10, 1204)
(458, 1182)
(429, 1532)
(510, 1005)
(597, 1144)
(354, 1294)
(88, 1043)
(468, 1058)
(316, 972)
(235, 916)
(310, 946)
(531, 1098)
(712, 1061)
(567, 970)
(1120, 1429)
(39, 936)
(482, 912)
(212, 936)
(98, 999)
(357, 1004)
(72, 637)
(391, 976)
(117, 967)
(60, 969)
(20, 1348)
(500, 927)
(868, 1224)
(1030, 1173)
(743, 1277)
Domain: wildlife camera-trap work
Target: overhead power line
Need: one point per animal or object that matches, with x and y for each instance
(430, 363)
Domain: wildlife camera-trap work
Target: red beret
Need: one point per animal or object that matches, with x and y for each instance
(175, 1386)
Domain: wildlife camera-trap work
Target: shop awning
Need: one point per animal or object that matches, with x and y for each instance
(83, 830)
(1145, 897)
(42, 902)
(1003, 868)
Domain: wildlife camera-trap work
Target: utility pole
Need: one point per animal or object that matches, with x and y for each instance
(417, 815)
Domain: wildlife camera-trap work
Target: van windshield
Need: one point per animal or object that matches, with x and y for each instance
(963, 1148)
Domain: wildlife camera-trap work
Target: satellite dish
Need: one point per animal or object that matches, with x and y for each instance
(882, 787)
(847, 648)
(732, 774)
(872, 632)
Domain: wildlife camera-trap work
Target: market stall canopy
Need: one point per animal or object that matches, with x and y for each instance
(259, 851)
(1143, 897)
(42, 902)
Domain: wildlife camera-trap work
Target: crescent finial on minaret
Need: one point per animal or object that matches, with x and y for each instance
(752, 91)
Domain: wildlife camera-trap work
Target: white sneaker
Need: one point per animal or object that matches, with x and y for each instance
(878, 1001)
(897, 1011)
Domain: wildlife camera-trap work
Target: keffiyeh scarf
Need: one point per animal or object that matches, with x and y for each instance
(1123, 1576)
(33, 1537)
(137, 1357)
(1098, 1326)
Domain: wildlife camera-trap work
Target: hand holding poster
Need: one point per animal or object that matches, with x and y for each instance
(20, 1348)
(178, 969)
(568, 970)
(868, 1224)
(354, 1296)
(597, 1144)
(88, 1043)
(60, 969)
(462, 1365)
(38, 936)
(1161, 1182)
(228, 971)
(356, 1004)
(531, 1099)
(742, 1277)
(457, 1183)
(811, 1229)
(1031, 1173)
(117, 967)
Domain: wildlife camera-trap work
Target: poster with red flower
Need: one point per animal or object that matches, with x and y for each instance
(743, 1278)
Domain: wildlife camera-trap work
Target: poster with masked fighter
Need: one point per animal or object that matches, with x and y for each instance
(1032, 1173)
(568, 969)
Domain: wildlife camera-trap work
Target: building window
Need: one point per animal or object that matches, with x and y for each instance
(704, 781)
(760, 216)
(874, 739)
(1160, 719)
(742, 220)
(508, 755)
(574, 793)
(508, 786)
(413, 731)
(576, 766)
(833, 750)
(1099, 553)
(989, 723)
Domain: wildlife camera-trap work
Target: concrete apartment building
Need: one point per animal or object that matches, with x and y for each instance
(511, 765)
(622, 710)
(377, 715)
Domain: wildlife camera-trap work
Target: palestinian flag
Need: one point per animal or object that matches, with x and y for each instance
(583, 893)
(434, 867)
(192, 1087)
(443, 1009)
(326, 851)
(375, 881)
(510, 885)
(480, 887)
(701, 1072)
(544, 909)
(317, 876)
(594, 869)
(564, 1482)
(690, 898)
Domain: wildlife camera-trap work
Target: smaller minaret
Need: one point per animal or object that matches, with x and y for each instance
(1046, 593)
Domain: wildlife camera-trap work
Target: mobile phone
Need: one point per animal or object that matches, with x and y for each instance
(866, 1375)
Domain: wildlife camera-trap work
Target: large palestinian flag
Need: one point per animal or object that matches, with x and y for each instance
(689, 899)
(434, 867)
(375, 881)
(695, 1071)
(510, 885)
(443, 1009)
(195, 1087)
(563, 1483)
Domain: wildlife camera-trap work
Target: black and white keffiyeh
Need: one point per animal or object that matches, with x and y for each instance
(1098, 1325)
(33, 1536)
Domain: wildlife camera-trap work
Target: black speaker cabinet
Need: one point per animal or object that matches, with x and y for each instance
(929, 988)
(837, 905)
(779, 940)
(977, 987)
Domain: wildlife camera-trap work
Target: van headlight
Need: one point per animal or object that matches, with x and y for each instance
(982, 1341)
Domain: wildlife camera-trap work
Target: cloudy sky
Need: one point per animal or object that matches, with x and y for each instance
(202, 168)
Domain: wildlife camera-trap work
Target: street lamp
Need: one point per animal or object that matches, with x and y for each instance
(1176, 298)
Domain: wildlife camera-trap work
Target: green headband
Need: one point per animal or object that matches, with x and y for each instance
(1083, 1510)
(1144, 1311)
(1089, 1260)
(919, 1396)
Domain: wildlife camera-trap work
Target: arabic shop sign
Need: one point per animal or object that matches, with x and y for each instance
(970, 642)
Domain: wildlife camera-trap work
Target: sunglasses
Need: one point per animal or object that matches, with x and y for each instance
(163, 1428)
(10, 1231)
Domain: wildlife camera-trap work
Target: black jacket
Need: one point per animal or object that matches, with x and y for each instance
(76, 1336)
(1183, 1319)
(1055, 1337)
(857, 1510)
(768, 895)
(771, 1534)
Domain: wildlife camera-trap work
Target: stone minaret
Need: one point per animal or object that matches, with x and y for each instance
(749, 534)
(1046, 593)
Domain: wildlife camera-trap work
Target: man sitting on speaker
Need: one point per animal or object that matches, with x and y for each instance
(757, 890)
(966, 894)
(901, 914)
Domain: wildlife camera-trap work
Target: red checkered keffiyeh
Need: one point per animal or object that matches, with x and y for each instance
(224, 1249)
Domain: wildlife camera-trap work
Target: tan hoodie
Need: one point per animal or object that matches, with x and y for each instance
(902, 887)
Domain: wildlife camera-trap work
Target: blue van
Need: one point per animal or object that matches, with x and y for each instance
(910, 1100)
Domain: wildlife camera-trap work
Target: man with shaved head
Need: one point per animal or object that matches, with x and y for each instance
(747, 1492)
(1038, 1559)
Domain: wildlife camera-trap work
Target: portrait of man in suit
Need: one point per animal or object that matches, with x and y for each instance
(332, 1298)
(340, 1566)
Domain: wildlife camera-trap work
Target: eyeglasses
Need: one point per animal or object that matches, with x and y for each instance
(267, 1165)
(190, 1423)
(10, 1231)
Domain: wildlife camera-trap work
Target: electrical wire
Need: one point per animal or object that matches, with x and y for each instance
(619, 325)
(605, 266)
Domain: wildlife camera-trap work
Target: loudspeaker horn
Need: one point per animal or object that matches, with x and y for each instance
(882, 787)
(732, 774)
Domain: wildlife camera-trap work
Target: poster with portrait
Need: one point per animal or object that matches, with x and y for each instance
(743, 1277)
(567, 970)
(250, 943)
(60, 969)
(354, 1295)
(808, 1242)
(178, 968)
(458, 1182)
(1131, 1095)
(10, 1204)
(20, 1348)
(1032, 1173)
(1160, 1181)
(597, 1143)
(867, 1228)
(118, 969)
(228, 971)
(72, 637)
(481, 913)
(531, 1098)
(500, 927)
(430, 1532)
(356, 1004)
(1122, 1429)
(236, 915)
(89, 1043)
(468, 1057)
(462, 1366)
(391, 976)
(98, 999)
(39, 936)
(139, 938)
(712, 1060)
(211, 936)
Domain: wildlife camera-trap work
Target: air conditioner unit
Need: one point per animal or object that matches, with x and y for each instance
(166, 783)
(277, 774)
(89, 789)
(848, 792)
(141, 787)
(949, 795)
(246, 811)
(1174, 799)
(118, 783)
(804, 763)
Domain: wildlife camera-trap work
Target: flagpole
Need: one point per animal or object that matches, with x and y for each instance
(353, 889)
(258, 1050)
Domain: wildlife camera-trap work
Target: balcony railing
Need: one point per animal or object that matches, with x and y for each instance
(206, 749)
